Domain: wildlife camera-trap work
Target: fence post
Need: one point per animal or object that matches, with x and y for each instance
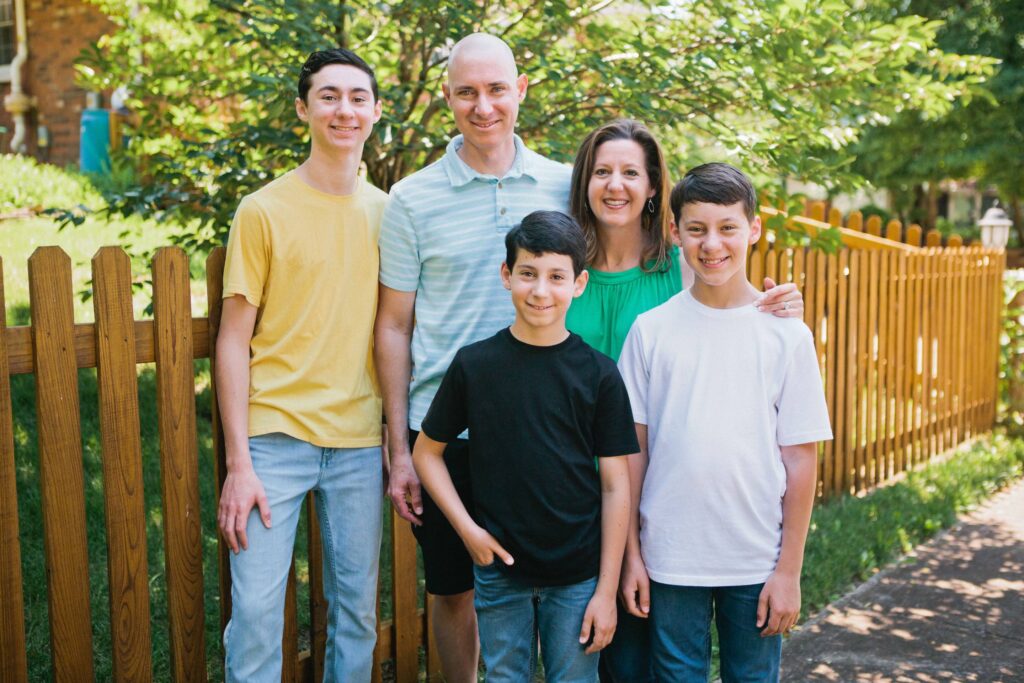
(13, 663)
(117, 386)
(175, 382)
(60, 464)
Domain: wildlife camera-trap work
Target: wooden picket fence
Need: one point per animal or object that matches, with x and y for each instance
(906, 337)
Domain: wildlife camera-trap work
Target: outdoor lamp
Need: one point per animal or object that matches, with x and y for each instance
(995, 228)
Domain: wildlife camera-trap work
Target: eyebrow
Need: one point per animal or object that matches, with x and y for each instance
(336, 89)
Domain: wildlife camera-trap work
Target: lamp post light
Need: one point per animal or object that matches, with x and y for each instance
(995, 228)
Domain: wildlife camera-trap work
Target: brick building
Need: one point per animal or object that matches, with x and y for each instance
(56, 32)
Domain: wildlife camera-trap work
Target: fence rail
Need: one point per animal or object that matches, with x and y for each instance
(907, 341)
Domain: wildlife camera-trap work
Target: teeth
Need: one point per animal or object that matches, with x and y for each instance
(615, 202)
(711, 262)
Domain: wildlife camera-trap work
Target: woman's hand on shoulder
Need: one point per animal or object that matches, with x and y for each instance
(783, 301)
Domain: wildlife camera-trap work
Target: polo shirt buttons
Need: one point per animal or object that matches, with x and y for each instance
(500, 185)
(503, 211)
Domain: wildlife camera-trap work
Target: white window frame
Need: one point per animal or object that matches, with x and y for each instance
(5, 67)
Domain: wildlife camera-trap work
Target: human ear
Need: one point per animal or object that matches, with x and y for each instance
(378, 109)
(674, 231)
(581, 283)
(506, 277)
(521, 84)
(446, 91)
(300, 109)
(755, 230)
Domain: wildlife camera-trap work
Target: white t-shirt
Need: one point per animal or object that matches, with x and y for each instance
(720, 391)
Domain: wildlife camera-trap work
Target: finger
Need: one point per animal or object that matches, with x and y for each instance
(505, 555)
(415, 496)
(264, 506)
(644, 589)
(588, 622)
(769, 284)
(229, 533)
(774, 622)
(243, 539)
(402, 507)
(632, 604)
(762, 608)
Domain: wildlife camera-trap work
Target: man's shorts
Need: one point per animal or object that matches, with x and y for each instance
(446, 562)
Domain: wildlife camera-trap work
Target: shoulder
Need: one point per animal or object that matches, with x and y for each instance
(546, 168)
(483, 351)
(429, 178)
(371, 194)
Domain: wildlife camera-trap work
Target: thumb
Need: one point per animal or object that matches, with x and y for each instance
(762, 609)
(645, 597)
(264, 506)
(768, 283)
(588, 620)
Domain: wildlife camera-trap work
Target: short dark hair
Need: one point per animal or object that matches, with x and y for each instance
(714, 183)
(318, 59)
(547, 232)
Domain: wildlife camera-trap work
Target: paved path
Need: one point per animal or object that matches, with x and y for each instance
(954, 612)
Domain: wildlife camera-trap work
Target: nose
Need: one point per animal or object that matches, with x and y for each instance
(615, 181)
(344, 107)
(540, 287)
(711, 241)
(484, 106)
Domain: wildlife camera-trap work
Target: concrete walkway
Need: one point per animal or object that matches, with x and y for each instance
(953, 612)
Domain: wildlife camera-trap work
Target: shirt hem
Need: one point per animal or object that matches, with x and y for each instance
(806, 437)
(702, 581)
(366, 442)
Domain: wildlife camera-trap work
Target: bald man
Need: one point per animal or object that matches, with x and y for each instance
(441, 248)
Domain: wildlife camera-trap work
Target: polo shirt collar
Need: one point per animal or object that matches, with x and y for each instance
(460, 173)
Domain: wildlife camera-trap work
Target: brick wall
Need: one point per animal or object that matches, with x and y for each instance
(58, 30)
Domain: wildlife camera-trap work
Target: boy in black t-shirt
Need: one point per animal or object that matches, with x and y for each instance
(539, 405)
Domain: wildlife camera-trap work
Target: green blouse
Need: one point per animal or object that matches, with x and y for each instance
(603, 314)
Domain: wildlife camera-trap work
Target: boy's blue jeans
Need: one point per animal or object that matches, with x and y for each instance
(681, 635)
(511, 615)
(349, 503)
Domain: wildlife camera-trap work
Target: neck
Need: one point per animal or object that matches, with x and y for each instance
(548, 335)
(618, 249)
(495, 161)
(733, 294)
(332, 174)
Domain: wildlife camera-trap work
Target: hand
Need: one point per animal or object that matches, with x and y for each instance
(404, 488)
(242, 490)
(483, 547)
(598, 621)
(635, 586)
(783, 301)
(778, 608)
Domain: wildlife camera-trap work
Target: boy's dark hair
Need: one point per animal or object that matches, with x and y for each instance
(714, 183)
(547, 232)
(339, 55)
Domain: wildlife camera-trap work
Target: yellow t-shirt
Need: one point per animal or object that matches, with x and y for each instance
(308, 261)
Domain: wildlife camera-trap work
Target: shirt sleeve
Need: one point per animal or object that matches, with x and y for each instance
(247, 262)
(635, 373)
(399, 248)
(802, 412)
(448, 414)
(614, 432)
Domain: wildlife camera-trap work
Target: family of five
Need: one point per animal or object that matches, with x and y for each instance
(602, 441)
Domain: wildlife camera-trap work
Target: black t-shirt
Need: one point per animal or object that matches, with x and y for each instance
(537, 417)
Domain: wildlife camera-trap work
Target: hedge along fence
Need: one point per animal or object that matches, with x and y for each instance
(907, 341)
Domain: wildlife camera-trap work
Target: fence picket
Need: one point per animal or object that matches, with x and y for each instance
(117, 387)
(60, 464)
(175, 381)
(14, 663)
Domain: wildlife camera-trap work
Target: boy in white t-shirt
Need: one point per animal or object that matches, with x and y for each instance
(728, 406)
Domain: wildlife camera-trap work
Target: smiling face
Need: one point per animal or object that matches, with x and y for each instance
(619, 185)
(340, 109)
(714, 239)
(484, 93)
(542, 286)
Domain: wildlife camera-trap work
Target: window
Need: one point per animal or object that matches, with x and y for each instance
(8, 42)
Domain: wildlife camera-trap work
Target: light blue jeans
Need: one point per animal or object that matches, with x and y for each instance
(348, 487)
(511, 616)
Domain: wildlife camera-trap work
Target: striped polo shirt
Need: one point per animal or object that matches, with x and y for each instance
(443, 237)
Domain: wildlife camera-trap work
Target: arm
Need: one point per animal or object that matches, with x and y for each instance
(776, 297)
(392, 339)
(428, 455)
(242, 488)
(779, 605)
(634, 586)
(601, 616)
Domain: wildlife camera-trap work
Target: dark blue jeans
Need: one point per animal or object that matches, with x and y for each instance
(681, 635)
(627, 659)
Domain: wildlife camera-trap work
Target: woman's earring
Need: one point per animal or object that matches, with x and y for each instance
(650, 205)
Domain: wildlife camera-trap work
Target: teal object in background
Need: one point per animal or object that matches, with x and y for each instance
(94, 141)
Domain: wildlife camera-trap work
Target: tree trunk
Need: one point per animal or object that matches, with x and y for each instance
(1017, 216)
(932, 205)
